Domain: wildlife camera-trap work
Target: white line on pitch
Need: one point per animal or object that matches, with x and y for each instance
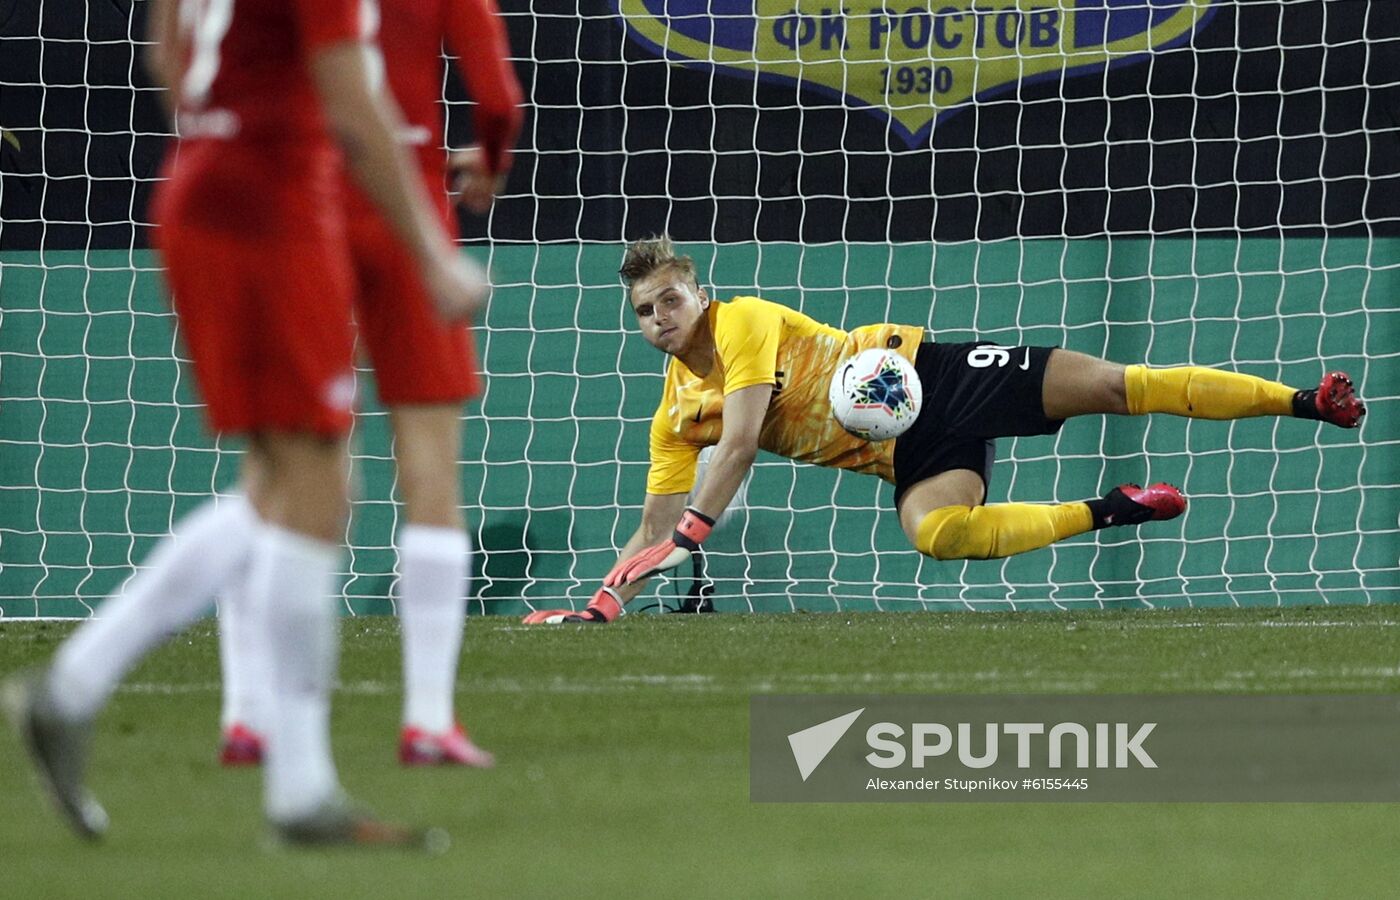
(1030, 680)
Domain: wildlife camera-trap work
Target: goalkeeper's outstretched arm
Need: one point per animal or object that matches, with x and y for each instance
(743, 414)
(737, 448)
(660, 512)
(649, 551)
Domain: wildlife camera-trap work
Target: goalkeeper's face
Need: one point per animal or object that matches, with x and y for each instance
(670, 309)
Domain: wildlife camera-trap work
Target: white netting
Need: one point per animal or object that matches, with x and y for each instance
(1226, 198)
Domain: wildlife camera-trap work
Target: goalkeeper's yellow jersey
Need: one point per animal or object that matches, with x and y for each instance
(758, 342)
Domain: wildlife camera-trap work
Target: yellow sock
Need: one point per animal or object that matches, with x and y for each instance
(1203, 393)
(1003, 529)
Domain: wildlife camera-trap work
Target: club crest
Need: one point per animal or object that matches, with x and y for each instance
(911, 62)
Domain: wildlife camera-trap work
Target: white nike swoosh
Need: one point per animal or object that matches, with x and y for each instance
(1026, 361)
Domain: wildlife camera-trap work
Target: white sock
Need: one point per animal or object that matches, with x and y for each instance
(436, 566)
(243, 659)
(182, 575)
(289, 588)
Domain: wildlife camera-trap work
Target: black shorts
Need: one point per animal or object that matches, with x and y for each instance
(973, 394)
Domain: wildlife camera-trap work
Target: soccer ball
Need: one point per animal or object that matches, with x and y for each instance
(876, 395)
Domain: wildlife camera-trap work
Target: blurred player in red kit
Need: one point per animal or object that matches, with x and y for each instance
(274, 97)
(425, 369)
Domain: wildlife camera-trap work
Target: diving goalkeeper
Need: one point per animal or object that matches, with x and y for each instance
(748, 374)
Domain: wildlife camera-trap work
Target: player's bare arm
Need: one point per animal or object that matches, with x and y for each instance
(659, 515)
(738, 446)
(734, 455)
(165, 49)
(650, 550)
(365, 120)
(477, 37)
(671, 531)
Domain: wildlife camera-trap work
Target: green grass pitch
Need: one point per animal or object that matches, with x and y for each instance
(623, 765)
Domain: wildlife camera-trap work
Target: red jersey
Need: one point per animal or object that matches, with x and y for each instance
(411, 36)
(255, 155)
(252, 225)
(419, 359)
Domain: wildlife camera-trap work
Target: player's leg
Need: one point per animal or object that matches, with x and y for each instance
(55, 709)
(292, 574)
(435, 558)
(184, 570)
(425, 370)
(943, 517)
(288, 383)
(243, 659)
(244, 667)
(435, 561)
(300, 410)
(1078, 384)
(177, 585)
(943, 463)
(303, 508)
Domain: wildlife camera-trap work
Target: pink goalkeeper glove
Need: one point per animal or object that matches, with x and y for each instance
(605, 606)
(693, 528)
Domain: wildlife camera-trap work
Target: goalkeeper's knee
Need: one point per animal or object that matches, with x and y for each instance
(1005, 529)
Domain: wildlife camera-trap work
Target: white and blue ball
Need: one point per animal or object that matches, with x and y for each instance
(876, 394)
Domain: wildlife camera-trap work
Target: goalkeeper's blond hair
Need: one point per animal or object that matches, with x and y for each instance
(651, 255)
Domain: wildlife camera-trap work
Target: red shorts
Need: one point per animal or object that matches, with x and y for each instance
(267, 323)
(417, 358)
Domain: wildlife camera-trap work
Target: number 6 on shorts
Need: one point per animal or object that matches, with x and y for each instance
(989, 355)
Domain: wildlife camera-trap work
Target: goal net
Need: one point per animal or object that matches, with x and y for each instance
(1170, 182)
